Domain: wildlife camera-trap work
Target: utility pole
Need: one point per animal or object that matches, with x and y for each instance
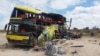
(70, 24)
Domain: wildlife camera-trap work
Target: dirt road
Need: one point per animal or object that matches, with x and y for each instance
(86, 46)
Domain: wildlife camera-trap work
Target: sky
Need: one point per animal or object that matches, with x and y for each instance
(84, 13)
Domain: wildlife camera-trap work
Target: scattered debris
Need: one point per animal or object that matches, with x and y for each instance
(62, 41)
(61, 51)
(74, 52)
(92, 40)
(99, 43)
(65, 44)
(78, 46)
(95, 40)
(50, 48)
(36, 48)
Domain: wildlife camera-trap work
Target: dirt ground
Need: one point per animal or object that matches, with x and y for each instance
(86, 46)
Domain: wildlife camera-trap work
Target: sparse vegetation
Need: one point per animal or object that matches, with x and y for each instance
(87, 31)
(2, 31)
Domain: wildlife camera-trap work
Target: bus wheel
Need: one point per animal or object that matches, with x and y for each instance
(32, 40)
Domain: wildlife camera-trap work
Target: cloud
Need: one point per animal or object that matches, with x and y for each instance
(63, 4)
(85, 16)
(97, 2)
(39, 4)
(34, 2)
(6, 8)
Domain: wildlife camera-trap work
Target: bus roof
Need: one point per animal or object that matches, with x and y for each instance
(32, 10)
